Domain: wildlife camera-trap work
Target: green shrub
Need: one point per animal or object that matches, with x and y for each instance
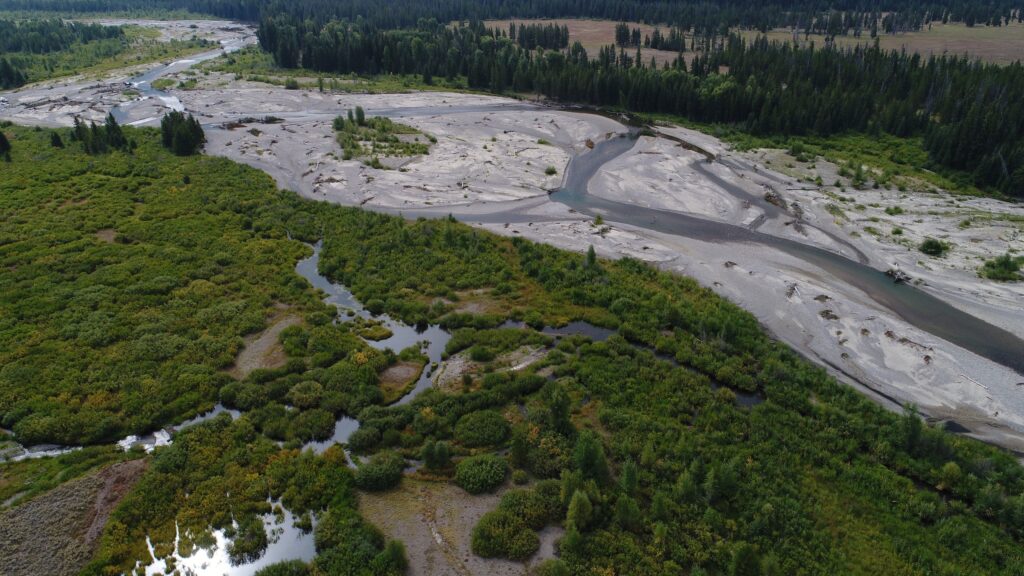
(315, 424)
(536, 508)
(305, 395)
(364, 439)
(382, 472)
(249, 540)
(484, 428)
(1005, 268)
(499, 534)
(933, 247)
(436, 455)
(479, 474)
(480, 353)
(551, 170)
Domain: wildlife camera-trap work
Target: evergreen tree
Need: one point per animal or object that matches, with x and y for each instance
(589, 458)
(181, 134)
(628, 482)
(5, 147)
(580, 511)
(745, 561)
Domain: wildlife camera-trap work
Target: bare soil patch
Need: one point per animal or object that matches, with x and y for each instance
(57, 532)
(106, 235)
(396, 380)
(263, 350)
(435, 522)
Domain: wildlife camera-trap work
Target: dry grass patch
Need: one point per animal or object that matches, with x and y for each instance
(595, 34)
(106, 235)
(57, 532)
(397, 380)
(999, 45)
(435, 522)
(264, 350)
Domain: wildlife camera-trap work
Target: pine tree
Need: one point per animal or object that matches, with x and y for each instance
(589, 458)
(628, 482)
(580, 511)
(591, 257)
(5, 147)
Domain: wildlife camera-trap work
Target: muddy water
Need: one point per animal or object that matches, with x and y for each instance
(911, 304)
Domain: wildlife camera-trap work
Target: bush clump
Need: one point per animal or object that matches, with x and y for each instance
(479, 474)
(1005, 268)
(933, 247)
(537, 507)
(500, 534)
(484, 428)
(382, 472)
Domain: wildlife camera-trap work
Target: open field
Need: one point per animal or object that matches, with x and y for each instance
(435, 520)
(1000, 45)
(595, 34)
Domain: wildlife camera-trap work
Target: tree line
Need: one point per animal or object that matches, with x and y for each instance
(99, 138)
(46, 36)
(11, 75)
(698, 15)
(970, 114)
(51, 35)
(547, 36)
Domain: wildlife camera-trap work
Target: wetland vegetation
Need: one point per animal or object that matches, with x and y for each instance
(636, 444)
(667, 434)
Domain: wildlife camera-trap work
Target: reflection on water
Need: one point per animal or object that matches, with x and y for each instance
(343, 428)
(576, 328)
(285, 542)
(147, 442)
(431, 341)
(163, 437)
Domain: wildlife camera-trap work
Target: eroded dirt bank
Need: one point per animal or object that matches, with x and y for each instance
(57, 532)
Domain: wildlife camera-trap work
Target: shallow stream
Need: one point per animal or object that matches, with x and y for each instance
(913, 305)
